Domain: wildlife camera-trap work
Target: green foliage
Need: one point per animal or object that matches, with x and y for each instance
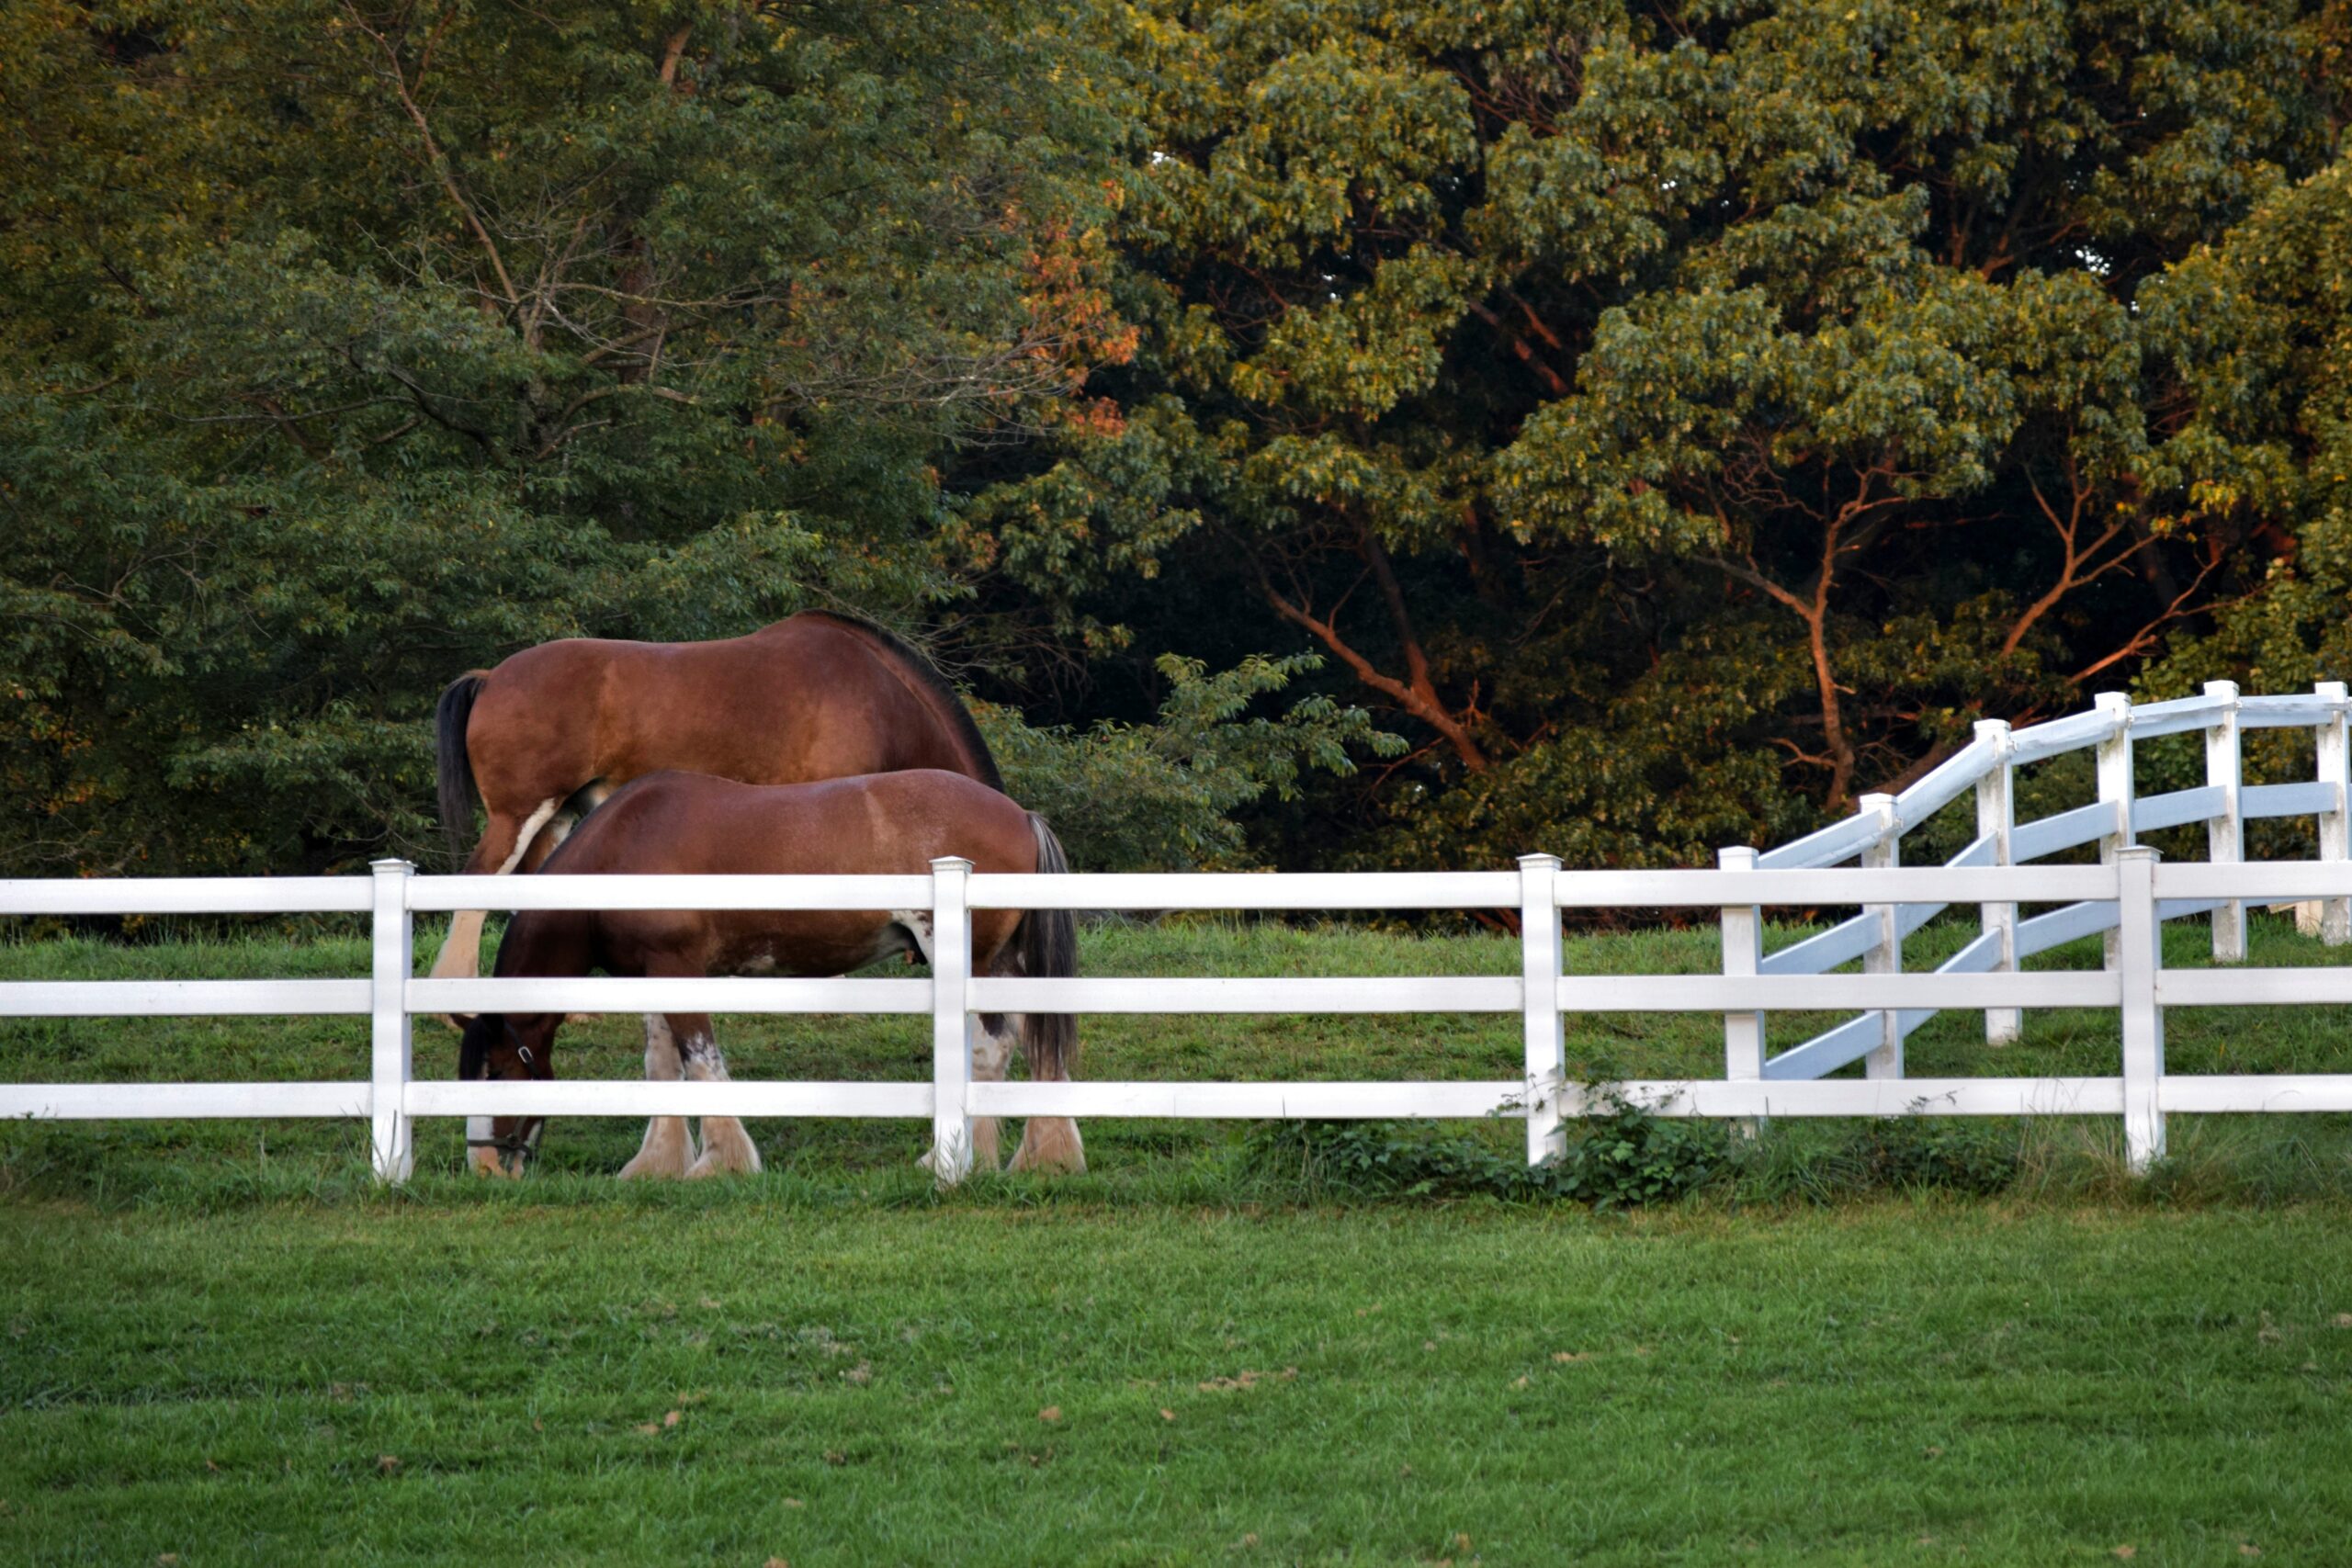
(473, 329)
(1673, 420)
(1623, 1157)
(1682, 419)
(1162, 797)
(2261, 325)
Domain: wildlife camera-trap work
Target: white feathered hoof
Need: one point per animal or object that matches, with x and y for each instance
(666, 1154)
(1051, 1143)
(727, 1150)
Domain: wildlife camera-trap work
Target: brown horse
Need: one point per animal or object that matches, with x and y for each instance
(555, 729)
(879, 825)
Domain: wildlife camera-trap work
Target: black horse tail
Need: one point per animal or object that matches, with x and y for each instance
(455, 768)
(1046, 946)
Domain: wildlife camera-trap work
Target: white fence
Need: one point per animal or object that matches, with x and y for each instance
(2130, 894)
(1988, 766)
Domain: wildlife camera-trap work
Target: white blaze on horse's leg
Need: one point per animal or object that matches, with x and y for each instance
(460, 954)
(990, 1051)
(484, 1160)
(725, 1145)
(917, 924)
(538, 819)
(668, 1149)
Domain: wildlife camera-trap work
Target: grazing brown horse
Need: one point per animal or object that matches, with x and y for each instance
(555, 729)
(877, 825)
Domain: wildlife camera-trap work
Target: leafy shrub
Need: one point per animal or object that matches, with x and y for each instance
(1629, 1157)
(1161, 797)
(1624, 1158)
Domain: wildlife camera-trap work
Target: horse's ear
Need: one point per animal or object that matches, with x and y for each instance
(473, 1050)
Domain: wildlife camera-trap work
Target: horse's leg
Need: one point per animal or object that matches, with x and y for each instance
(503, 843)
(667, 1149)
(1049, 1142)
(574, 812)
(725, 1145)
(991, 1048)
(570, 815)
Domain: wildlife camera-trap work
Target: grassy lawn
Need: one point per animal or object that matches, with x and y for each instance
(729, 1378)
(224, 1344)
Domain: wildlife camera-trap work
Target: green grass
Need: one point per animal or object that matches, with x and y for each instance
(1922, 1382)
(223, 1343)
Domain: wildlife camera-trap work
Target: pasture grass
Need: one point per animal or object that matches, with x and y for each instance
(748, 1377)
(223, 1344)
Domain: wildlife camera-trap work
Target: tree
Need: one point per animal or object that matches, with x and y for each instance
(361, 343)
(1678, 417)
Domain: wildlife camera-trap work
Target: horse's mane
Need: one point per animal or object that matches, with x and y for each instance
(916, 664)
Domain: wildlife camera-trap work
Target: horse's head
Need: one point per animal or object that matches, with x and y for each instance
(512, 1046)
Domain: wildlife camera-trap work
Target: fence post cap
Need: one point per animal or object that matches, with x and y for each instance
(949, 865)
(2111, 700)
(1736, 857)
(2332, 690)
(391, 867)
(1993, 729)
(2147, 852)
(2221, 689)
(1539, 863)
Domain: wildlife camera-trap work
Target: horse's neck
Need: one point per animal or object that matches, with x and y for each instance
(550, 942)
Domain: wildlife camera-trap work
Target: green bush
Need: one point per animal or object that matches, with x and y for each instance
(1625, 1159)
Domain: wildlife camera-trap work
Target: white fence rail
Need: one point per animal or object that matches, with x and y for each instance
(2129, 896)
(1988, 766)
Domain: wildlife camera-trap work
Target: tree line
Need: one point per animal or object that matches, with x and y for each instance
(1324, 433)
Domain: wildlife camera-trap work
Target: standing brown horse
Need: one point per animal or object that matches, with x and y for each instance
(555, 729)
(880, 825)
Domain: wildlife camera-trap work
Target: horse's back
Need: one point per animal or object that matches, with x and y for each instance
(877, 825)
(816, 696)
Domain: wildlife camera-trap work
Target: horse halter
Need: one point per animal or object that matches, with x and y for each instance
(519, 1143)
(523, 1143)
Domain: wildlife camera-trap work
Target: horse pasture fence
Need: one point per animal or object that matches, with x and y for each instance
(2128, 895)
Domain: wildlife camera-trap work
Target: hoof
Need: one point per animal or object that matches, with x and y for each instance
(726, 1151)
(720, 1162)
(492, 1163)
(667, 1153)
(1051, 1143)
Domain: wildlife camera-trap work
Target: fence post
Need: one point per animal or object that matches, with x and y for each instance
(951, 1020)
(1743, 927)
(2115, 789)
(2334, 826)
(1886, 955)
(2225, 833)
(392, 946)
(1996, 818)
(1538, 950)
(2143, 1019)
